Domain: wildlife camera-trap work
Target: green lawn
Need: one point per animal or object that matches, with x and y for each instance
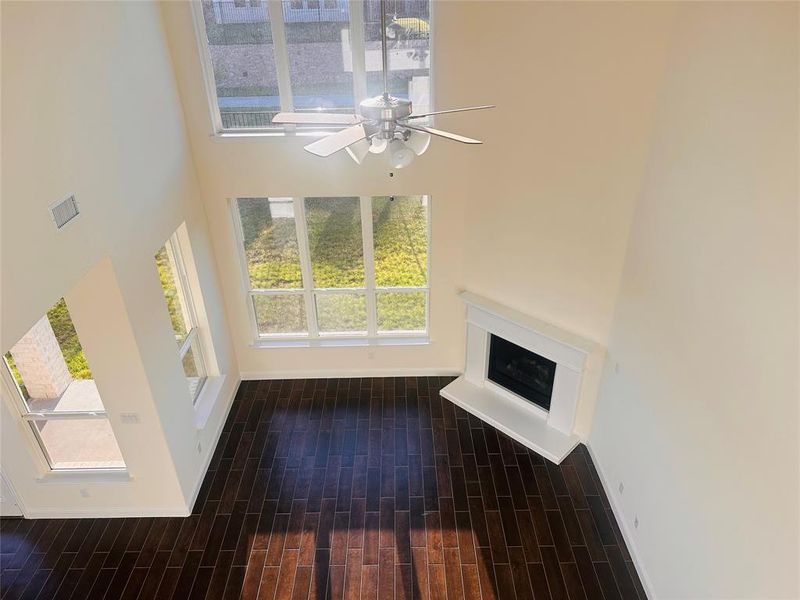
(167, 278)
(400, 230)
(68, 341)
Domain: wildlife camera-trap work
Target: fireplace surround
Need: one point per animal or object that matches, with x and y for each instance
(513, 362)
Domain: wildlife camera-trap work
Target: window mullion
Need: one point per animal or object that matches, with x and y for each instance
(281, 50)
(358, 49)
(305, 266)
(369, 264)
(245, 271)
(187, 342)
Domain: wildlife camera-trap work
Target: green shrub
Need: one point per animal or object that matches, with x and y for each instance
(68, 340)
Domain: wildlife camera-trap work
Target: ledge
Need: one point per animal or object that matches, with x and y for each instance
(512, 418)
(207, 400)
(78, 476)
(567, 338)
(341, 342)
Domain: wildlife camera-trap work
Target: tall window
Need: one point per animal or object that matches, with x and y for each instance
(336, 267)
(172, 272)
(262, 57)
(57, 395)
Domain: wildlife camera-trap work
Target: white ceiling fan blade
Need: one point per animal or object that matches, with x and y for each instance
(444, 134)
(315, 118)
(452, 110)
(337, 141)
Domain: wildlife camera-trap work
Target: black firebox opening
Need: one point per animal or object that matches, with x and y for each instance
(523, 372)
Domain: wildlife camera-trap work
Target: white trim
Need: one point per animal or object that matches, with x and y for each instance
(619, 515)
(87, 476)
(106, 512)
(350, 373)
(194, 339)
(205, 64)
(279, 47)
(307, 273)
(368, 256)
(516, 418)
(353, 290)
(241, 258)
(187, 342)
(195, 288)
(508, 394)
(65, 415)
(341, 341)
(431, 62)
(207, 399)
(358, 50)
(582, 346)
(272, 132)
(19, 503)
(209, 451)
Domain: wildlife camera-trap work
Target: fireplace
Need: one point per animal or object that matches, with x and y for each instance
(521, 371)
(530, 379)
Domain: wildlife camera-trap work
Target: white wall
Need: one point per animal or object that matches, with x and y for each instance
(535, 218)
(701, 421)
(90, 107)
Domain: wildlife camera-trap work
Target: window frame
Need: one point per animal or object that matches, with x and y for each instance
(281, 53)
(192, 340)
(34, 435)
(309, 291)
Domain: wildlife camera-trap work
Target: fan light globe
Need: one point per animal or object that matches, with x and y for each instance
(400, 155)
(418, 141)
(378, 145)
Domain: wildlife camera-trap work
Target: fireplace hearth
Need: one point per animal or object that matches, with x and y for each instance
(521, 371)
(526, 377)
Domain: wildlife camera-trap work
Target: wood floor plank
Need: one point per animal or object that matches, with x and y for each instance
(346, 489)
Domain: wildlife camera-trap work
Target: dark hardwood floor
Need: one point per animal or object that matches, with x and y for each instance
(346, 489)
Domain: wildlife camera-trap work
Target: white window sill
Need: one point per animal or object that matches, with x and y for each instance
(75, 476)
(233, 134)
(340, 342)
(207, 400)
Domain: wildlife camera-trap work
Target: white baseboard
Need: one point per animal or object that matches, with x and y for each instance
(347, 374)
(623, 525)
(106, 512)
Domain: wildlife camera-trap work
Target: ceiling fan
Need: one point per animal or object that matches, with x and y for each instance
(382, 123)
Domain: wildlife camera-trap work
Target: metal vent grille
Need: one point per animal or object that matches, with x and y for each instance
(65, 211)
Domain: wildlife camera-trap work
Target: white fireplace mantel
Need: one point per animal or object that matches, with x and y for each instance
(550, 433)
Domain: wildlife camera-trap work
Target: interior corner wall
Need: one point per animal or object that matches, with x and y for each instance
(536, 218)
(698, 411)
(90, 108)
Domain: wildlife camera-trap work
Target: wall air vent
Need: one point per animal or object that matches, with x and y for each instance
(65, 211)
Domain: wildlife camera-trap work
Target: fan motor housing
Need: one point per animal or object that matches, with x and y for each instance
(385, 110)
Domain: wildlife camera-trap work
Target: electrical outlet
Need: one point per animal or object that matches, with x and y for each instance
(130, 418)
(616, 368)
(370, 355)
(621, 487)
(636, 522)
(84, 493)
